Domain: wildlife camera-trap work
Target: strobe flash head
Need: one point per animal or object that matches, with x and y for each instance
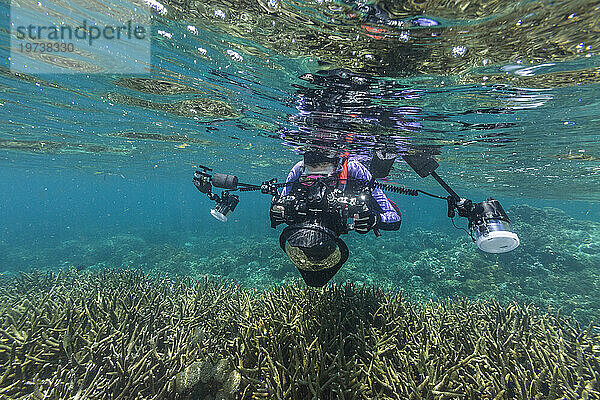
(490, 228)
(224, 206)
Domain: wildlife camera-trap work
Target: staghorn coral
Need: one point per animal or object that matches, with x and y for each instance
(104, 335)
(556, 264)
(124, 334)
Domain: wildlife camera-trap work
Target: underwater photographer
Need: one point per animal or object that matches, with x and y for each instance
(326, 196)
(324, 179)
(335, 189)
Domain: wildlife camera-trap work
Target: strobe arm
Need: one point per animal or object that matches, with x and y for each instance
(225, 181)
(204, 181)
(225, 203)
(489, 226)
(425, 165)
(446, 187)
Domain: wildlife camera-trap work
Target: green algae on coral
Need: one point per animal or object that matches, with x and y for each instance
(160, 137)
(45, 146)
(200, 107)
(123, 334)
(155, 86)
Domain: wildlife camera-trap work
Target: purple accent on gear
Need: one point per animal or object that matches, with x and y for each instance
(357, 171)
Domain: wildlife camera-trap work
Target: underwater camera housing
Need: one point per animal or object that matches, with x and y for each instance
(317, 252)
(490, 227)
(316, 216)
(319, 202)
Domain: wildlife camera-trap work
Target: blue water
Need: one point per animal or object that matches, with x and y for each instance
(42, 208)
(510, 120)
(112, 267)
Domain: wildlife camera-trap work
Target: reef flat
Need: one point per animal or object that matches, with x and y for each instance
(123, 334)
(556, 265)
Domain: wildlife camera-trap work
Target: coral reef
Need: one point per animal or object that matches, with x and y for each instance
(105, 335)
(120, 334)
(556, 265)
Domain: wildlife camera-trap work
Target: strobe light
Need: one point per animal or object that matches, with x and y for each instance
(490, 227)
(224, 206)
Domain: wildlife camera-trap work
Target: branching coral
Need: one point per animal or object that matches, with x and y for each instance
(124, 334)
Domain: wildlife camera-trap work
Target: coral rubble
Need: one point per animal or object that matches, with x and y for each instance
(121, 334)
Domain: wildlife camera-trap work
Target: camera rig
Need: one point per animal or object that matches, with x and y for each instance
(489, 226)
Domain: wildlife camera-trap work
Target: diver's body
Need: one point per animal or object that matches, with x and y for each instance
(383, 213)
(313, 244)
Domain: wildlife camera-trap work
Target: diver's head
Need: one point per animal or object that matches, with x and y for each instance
(315, 250)
(320, 161)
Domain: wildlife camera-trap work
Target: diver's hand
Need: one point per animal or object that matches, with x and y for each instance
(278, 212)
(364, 221)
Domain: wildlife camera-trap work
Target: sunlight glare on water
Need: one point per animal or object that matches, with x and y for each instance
(504, 89)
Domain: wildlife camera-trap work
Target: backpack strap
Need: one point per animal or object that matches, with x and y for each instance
(343, 176)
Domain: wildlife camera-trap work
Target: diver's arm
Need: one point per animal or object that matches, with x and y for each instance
(278, 212)
(293, 176)
(388, 219)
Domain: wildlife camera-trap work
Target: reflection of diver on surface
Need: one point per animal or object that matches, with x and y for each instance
(326, 196)
(344, 109)
(375, 14)
(356, 111)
